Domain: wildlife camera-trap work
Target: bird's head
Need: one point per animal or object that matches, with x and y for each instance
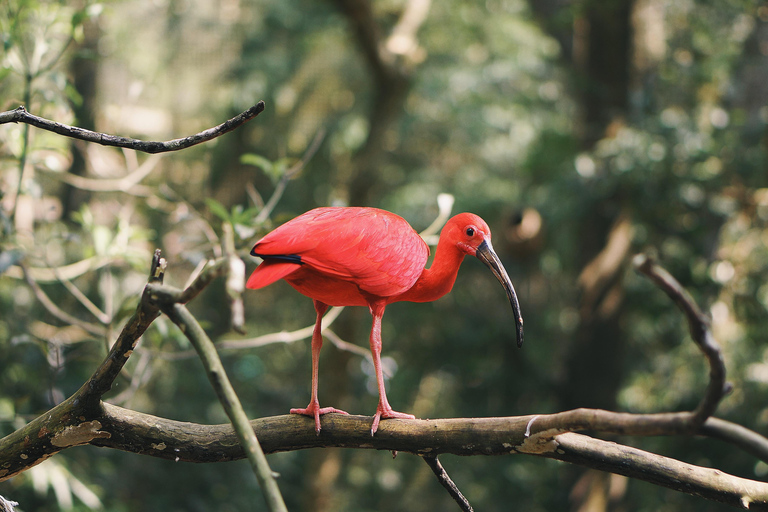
(471, 235)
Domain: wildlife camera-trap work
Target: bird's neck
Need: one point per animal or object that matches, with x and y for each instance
(438, 279)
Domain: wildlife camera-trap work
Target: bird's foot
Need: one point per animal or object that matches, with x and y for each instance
(314, 410)
(383, 413)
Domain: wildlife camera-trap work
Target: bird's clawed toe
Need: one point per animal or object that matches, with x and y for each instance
(388, 413)
(313, 410)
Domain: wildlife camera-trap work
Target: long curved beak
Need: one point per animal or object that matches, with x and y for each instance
(487, 255)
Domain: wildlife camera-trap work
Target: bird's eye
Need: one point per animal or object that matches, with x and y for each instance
(470, 232)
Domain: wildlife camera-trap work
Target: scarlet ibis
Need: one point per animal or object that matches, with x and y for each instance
(345, 256)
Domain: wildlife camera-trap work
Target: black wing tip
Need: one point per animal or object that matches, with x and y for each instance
(287, 258)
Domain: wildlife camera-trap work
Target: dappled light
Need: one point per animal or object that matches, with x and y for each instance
(583, 133)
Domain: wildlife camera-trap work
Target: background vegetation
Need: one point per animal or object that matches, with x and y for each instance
(582, 131)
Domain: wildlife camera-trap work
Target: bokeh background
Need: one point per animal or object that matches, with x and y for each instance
(583, 131)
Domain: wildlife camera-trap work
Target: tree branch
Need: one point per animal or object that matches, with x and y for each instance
(20, 115)
(445, 481)
(67, 272)
(698, 324)
(124, 184)
(181, 316)
(748, 440)
(542, 430)
(159, 437)
(146, 313)
(708, 483)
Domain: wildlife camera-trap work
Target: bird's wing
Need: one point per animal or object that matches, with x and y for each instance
(375, 249)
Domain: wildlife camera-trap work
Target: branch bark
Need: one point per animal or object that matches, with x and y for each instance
(159, 437)
(131, 431)
(446, 481)
(20, 115)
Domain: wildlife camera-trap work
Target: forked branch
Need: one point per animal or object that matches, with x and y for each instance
(543, 429)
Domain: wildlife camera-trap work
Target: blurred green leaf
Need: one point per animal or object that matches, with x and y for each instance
(218, 209)
(257, 161)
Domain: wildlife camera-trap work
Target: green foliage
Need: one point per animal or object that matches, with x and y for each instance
(274, 170)
(494, 116)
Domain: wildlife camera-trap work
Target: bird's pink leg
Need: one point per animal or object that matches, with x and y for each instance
(384, 410)
(313, 409)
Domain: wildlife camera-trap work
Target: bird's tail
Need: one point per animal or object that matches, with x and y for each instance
(269, 272)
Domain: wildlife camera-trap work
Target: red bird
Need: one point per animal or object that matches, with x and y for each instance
(370, 257)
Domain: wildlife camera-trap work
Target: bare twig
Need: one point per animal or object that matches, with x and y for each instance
(235, 283)
(445, 481)
(66, 272)
(542, 429)
(85, 301)
(444, 206)
(124, 184)
(53, 309)
(349, 347)
(281, 337)
(748, 440)
(20, 115)
(276, 337)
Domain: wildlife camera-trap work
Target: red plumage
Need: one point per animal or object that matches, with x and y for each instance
(375, 251)
(369, 257)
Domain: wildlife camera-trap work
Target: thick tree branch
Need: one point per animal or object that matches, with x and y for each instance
(141, 433)
(127, 430)
(137, 432)
(708, 483)
(20, 115)
(146, 313)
